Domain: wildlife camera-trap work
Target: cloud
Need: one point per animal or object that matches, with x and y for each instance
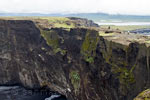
(76, 6)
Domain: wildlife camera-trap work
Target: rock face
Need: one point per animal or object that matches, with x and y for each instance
(77, 63)
(83, 22)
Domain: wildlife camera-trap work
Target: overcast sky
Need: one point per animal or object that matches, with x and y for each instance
(140, 7)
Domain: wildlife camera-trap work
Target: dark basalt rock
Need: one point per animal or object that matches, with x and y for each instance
(82, 65)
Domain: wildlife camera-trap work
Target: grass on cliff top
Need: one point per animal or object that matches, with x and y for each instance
(147, 41)
(60, 22)
(54, 19)
(57, 22)
(126, 28)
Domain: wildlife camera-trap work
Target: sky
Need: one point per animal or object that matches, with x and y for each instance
(130, 7)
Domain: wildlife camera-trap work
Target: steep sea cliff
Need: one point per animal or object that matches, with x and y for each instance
(77, 63)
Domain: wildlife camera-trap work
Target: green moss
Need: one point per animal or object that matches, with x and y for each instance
(90, 59)
(63, 52)
(147, 98)
(125, 76)
(75, 80)
(145, 95)
(88, 49)
(107, 54)
(52, 40)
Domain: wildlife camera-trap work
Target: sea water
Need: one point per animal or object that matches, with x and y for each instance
(123, 23)
(143, 31)
(20, 93)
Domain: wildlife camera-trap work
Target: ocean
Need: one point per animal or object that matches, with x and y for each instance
(20, 93)
(123, 23)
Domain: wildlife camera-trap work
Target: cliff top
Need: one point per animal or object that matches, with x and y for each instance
(111, 34)
(125, 37)
(57, 22)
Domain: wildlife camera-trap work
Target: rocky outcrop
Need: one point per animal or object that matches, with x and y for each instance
(83, 22)
(145, 95)
(77, 63)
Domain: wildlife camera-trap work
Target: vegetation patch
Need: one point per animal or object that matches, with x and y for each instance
(125, 76)
(145, 95)
(60, 22)
(75, 80)
(53, 40)
(148, 41)
(88, 49)
(90, 59)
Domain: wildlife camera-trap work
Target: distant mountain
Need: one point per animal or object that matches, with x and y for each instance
(27, 14)
(97, 17)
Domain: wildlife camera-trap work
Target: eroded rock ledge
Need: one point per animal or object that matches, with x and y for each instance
(77, 63)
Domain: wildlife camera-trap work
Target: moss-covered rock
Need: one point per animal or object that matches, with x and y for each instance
(88, 49)
(75, 80)
(125, 76)
(53, 40)
(145, 95)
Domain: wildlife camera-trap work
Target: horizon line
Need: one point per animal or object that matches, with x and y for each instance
(115, 14)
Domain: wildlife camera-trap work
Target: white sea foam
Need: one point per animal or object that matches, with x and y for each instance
(5, 88)
(52, 97)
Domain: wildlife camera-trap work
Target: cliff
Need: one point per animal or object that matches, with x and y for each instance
(80, 63)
